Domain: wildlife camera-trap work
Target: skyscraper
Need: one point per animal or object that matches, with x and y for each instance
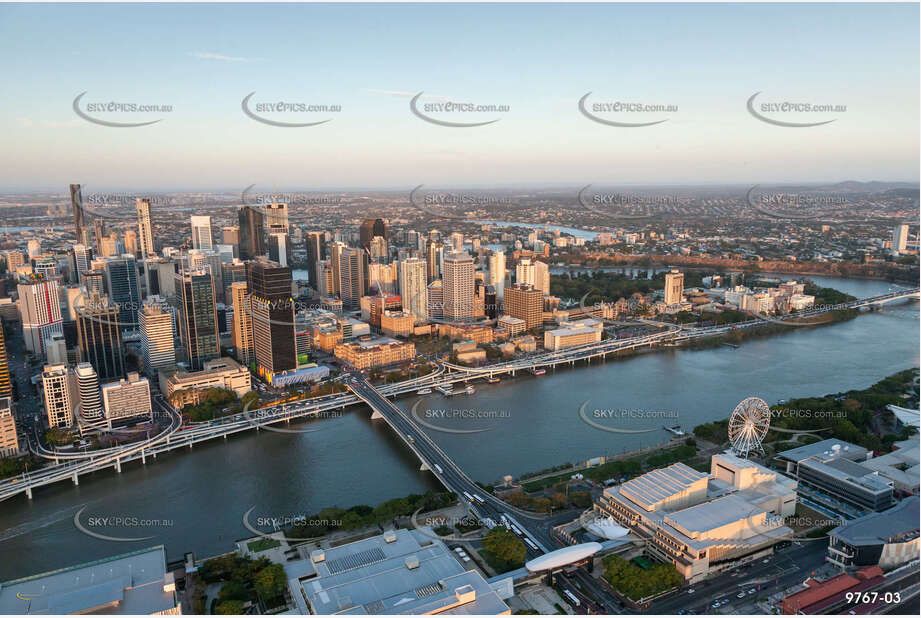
(457, 241)
(76, 204)
(524, 302)
(88, 392)
(82, 257)
(280, 248)
(201, 233)
(900, 238)
(230, 235)
(315, 250)
(242, 323)
(533, 272)
(276, 217)
(157, 340)
(57, 395)
(335, 253)
(40, 310)
(414, 288)
(674, 287)
(131, 242)
(497, 272)
(124, 289)
(352, 276)
(434, 253)
(369, 229)
(251, 233)
(6, 387)
(198, 316)
(99, 336)
(272, 308)
(458, 286)
(145, 227)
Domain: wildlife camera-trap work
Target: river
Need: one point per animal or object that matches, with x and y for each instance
(196, 500)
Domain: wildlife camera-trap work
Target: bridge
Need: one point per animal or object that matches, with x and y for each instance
(71, 465)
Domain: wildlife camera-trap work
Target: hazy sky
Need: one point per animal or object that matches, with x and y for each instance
(537, 59)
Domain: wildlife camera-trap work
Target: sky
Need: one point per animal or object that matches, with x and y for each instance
(537, 59)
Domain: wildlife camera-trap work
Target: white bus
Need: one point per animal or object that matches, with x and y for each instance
(440, 471)
(479, 499)
(572, 597)
(530, 544)
(468, 496)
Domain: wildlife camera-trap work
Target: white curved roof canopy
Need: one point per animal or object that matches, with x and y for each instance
(607, 528)
(562, 557)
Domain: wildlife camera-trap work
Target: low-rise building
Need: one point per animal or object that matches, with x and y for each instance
(888, 539)
(127, 398)
(184, 387)
(478, 333)
(374, 352)
(580, 332)
(821, 597)
(511, 324)
(397, 323)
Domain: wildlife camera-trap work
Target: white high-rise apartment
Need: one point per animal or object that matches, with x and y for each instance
(58, 396)
(900, 238)
(157, 338)
(674, 287)
(458, 286)
(88, 392)
(414, 288)
(533, 272)
(457, 241)
(201, 233)
(497, 271)
(41, 312)
(145, 231)
(83, 255)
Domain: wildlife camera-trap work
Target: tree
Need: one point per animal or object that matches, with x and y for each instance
(232, 607)
(233, 589)
(505, 546)
(270, 582)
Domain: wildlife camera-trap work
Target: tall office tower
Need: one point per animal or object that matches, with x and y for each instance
(369, 229)
(76, 204)
(230, 235)
(533, 272)
(9, 438)
(379, 250)
(436, 293)
(414, 288)
(108, 246)
(57, 395)
(279, 248)
(491, 302)
(6, 387)
(276, 217)
(335, 253)
(40, 311)
(674, 287)
(201, 233)
(524, 302)
(269, 286)
(542, 277)
(230, 273)
(126, 398)
(82, 257)
(434, 254)
(326, 285)
(45, 266)
(158, 347)
(242, 323)
(251, 232)
(99, 233)
(198, 317)
(145, 227)
(457, 241)
(34, 248)
(94, 280)
(900, 238)
(475, 246)
(161, 277)
(384, 277)
(99, 336)
(124, 289)
(315, 250)
(351, 277)
(497, 272)
(131, 242)
(458, 286)
(56, 350)
(88, 392)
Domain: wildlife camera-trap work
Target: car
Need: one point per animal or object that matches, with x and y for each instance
(766, 560)
(752, 591)
(715, 604)
(741, 595)
(691, 591)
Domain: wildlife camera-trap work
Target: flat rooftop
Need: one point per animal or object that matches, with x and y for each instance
(717, 513)
(824, 449)
(850, 472)
(131, 583)
(876, 528)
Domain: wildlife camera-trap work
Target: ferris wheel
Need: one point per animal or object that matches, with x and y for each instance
(748, 425)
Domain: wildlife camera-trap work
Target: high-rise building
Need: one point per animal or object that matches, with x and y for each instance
(87, 389)
(414, 288)
(900, 238)
(198, 316)
(352, 276)
(13, 259)
(34, 248)
(251, 231)
(280, 248)
(201, 233)
(524, 302)
(58, 396)
(230, 235)
(124, 289)
(6, 387)
(40, 310)
(433, 260)
(131, 242)
(99, 233)
(379, 250)
(497, 272)
(158, 347)
(269, 286)
(99, 336)
(369, 229)
(9, 438)
(276, 217)
(674, 287)
(533, 272)
(315, 250)
(242, 323)
(145, 227)
(76, 205)
(82, 256)
(56, 349)
(94, 280)
(458, 286)
(128, 398)
(335, 253)
(457, 241)
(436, 294)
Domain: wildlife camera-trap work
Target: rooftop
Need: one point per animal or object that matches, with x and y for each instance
(653, 487)
(825, 449)
(877, 528)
